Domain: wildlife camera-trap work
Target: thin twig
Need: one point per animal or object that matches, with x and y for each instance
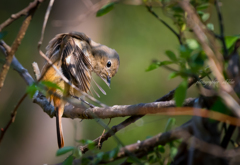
(16, 44)
(220, 19)
(45, 22)
(99, 142)
(170, 95)
(112, 131)
(168, 26)
(13, 116)
(23, 12)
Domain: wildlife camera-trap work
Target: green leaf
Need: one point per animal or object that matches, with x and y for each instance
(173, 75)
(64, 150)
(173, 152)
(32, 89)
(85, 141)
(3, 34)
(130, 160)
(99, 156)
(162, 63)
(171, 55)
(50, 84)
(114, 153)
(192, 44)
(210, 26)
(205, 16)
(77, 153)
(219, 106)
(91, 144)
(105, 9)
(155, 65)
(202, 6)
(152, 159)
(185, 52)
(68, 161)
(180, 93)
(170, 123)
(85, 161)
(161, 148)
(230, 40)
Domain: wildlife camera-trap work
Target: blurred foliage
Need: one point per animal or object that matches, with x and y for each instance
(105, 9)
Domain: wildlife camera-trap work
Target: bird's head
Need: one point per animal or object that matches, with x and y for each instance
(105, 61)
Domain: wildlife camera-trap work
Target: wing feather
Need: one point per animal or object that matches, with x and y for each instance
(76, 66)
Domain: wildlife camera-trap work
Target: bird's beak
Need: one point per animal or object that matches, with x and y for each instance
(108, 80)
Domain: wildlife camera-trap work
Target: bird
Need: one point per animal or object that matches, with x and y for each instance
(76, 56)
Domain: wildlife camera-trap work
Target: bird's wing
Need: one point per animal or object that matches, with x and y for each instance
(76, 66)
(74, 58)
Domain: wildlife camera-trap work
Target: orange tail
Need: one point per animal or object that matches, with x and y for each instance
(59, 127)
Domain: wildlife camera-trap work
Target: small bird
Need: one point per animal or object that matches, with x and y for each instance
(76, 56)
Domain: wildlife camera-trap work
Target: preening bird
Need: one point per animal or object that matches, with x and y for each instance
(77, 56)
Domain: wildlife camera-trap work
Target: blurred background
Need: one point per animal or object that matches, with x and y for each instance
(134, 33)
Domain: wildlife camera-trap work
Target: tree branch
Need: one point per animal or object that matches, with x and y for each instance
(16, 64)
(220, 19)
(122, 110)
(169, 27)
(12, 119)
(183, 133)
(23, 12)
(215, 59)
(16, 43)
(112, 132)
(132, 119)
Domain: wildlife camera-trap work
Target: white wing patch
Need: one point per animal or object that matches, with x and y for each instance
(68, 59)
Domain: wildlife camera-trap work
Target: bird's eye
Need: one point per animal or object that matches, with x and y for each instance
(109, 64)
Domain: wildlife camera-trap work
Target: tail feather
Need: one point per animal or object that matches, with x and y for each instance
(59, 128)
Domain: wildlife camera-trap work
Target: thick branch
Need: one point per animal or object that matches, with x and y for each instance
(121, 110)
(17, 65)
